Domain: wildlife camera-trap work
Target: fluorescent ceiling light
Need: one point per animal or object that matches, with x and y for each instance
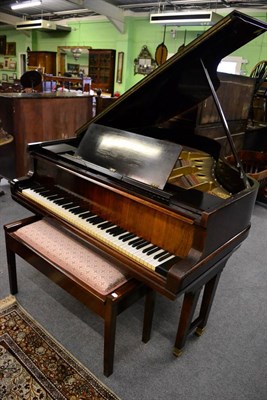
(26, 4)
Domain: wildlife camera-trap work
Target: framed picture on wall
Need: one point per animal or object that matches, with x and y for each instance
(3, 44)
(12, 65)
(73, 68)
(119, 67)
(4, 77)
(11, 48)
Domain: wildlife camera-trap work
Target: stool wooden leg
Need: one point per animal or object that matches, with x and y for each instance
(187, 313)
(12, 273)
(148, 314)
(109, 336)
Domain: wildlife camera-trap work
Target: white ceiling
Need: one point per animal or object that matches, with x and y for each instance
(116, 10)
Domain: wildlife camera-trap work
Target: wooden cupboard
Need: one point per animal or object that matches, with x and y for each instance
(102, 69)
(37, 117)
(43, 59)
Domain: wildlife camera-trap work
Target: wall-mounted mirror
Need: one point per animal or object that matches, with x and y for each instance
(72, 60)
(144, 63)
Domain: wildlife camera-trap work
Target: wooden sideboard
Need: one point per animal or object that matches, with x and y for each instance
(35, 117)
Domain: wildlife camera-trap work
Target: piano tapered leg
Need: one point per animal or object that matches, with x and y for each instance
(185, 324)
(207, 300)
(148, 314)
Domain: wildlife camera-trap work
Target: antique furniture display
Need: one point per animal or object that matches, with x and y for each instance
(34, 117)
(157, 198)
(51, 83)
(72, 59)
(43, 59)
(102, 69)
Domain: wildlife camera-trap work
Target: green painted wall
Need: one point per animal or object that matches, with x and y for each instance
(22, 40)
(99, 33)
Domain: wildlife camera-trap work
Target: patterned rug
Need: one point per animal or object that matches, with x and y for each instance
(34, 366)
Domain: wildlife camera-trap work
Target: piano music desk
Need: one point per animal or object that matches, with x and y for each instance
(52, 252)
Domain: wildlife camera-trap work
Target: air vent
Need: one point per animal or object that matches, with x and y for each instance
(42, 25)
(186, 18)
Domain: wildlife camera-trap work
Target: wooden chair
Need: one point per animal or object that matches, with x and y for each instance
(95, 281)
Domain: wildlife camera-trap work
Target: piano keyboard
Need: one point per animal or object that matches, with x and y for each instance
(69, 208)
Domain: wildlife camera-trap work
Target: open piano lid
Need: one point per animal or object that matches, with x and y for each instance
(172, 90)
(180, 83)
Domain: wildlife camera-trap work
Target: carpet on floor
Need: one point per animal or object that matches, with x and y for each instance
(33, 365)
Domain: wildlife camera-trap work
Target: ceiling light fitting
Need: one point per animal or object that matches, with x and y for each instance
(26, 4)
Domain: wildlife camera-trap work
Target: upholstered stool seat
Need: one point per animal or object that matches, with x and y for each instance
(73, 257)
(90, 277)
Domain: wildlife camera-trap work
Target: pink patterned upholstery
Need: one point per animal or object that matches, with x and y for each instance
(72, 256)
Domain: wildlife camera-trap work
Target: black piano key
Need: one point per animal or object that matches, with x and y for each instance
(87, 214)
(126, 236)
(114, 230)
(105, 225)
(152, 247)
(118, 231)
(164, 257)
(140, 246)
(96, 220)
(69, 205)
(62, 201)
(134, 241)
(156, 248)
(53, 196)
(137, 242)
(91, 217)
(161, 254)
(125, 240)
(78, 210)
(46, 193)
(40, 190)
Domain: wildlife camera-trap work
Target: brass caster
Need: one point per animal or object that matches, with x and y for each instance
(199, 331)
(177, 352)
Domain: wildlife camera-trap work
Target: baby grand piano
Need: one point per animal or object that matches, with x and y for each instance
(147, 192)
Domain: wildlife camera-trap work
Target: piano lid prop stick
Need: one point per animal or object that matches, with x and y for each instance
(226, 127)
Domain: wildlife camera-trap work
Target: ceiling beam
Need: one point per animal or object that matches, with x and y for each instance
(114, 14)
(9, 19)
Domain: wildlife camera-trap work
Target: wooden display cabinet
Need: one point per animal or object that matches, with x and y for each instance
(102, 69)
(43, 59)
